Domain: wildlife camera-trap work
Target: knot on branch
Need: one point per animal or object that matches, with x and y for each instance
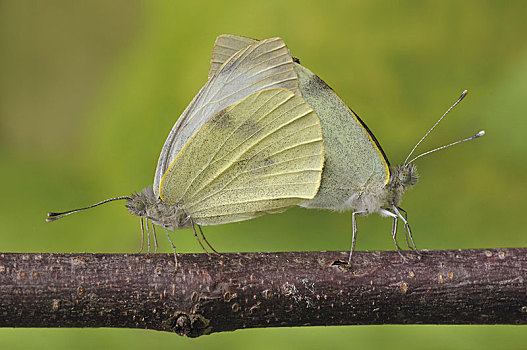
(191, 326)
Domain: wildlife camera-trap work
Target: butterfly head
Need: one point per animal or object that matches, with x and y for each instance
(401, 178)
(146, 205)
(405, 176)
(139, 203)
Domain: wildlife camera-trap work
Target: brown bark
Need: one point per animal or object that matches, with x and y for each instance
(215, 293)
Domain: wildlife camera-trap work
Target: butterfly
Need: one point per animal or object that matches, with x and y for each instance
(357, 175)
(247, 145)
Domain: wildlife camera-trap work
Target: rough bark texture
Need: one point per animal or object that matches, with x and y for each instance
(215, 293)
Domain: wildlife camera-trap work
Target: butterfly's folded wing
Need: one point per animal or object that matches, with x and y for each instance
(263, 65)
(353, 157)
(261, 155)
(225, 46)
(354, 160)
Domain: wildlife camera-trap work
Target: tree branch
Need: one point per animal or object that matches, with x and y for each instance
(215, 293)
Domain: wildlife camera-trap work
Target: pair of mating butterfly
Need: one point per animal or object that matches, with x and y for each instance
(262, 135)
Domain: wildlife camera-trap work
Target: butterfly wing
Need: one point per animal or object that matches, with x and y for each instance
(225, 46)
(265, 64)
(261, 155)
(354, 159)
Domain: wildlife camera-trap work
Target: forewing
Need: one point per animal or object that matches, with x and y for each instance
(263, 65)
(261, 155)
(225, 46)
(354, 160)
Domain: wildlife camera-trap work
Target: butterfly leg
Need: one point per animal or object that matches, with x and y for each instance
(173, 246)
(406, 230)
(186, 220)
(394, 230)
(398, 211)
(394, 237)
(394, 233)
(196, 235)
(205, 239)
(155, 237)
(142, 235)
(354, 233)
(147, 237)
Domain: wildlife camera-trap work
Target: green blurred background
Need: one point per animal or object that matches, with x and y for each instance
(90, 89)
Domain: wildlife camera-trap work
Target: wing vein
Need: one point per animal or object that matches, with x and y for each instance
(249, 148)
(245, 171)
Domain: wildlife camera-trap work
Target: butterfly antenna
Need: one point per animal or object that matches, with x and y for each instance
(479, 134)
(55, 216)
(433, 127)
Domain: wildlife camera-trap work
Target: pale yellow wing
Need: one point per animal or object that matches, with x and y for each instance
(225, 46)
(266, 64)
(260, 155)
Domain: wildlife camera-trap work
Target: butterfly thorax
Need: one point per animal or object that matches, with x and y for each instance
(146, 205)
(372, 197)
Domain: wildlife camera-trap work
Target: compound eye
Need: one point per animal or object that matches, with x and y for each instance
(404, 177)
